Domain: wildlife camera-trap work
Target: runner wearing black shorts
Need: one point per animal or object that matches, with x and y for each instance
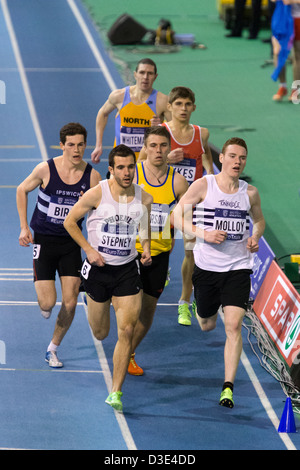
(222, 207)
(215, 289)
(60, 182)
(55, 254)
(101, 283)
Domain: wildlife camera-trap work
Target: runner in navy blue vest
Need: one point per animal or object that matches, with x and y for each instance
(61, 181)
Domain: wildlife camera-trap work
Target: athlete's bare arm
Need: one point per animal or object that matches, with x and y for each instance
(145, 229)
(207, 160)
(182, 216)
(39, 176)
(259, 223)
(89, 201)
(113, 102)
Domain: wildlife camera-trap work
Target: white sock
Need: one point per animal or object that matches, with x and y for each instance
(46, 313)
(52, 347)
(181, 302)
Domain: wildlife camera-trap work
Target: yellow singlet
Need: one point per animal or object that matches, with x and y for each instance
(132, 120)
(164, 200)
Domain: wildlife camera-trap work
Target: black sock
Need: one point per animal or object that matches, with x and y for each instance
(228, 385)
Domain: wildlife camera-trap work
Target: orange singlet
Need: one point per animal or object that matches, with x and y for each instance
(191, 166)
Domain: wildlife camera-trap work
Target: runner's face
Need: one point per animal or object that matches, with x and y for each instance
(145, 77)
(123, 171)
(157, 150)
(182, 109)
(234, 160)
(74, 148)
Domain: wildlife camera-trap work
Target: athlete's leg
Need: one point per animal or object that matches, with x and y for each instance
(70, 290)
(207, 324)
(296, 60)
(99, 318)
(233, 318)
(127, 311)
(145, 319)
(187, 269)
(46, 296)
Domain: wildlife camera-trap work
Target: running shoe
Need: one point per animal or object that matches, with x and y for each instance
(184, 315)
(194, 308)
(226, 398)
(282, 91)
(168, 278)
(294, 96)
(114, 400)
(133, 368)
(53, 361)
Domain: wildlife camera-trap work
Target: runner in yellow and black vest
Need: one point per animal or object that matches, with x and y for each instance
(138, 107)
(166, 186)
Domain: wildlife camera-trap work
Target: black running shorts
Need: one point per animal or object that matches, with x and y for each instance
(213, 289)
(102, 283)
(154, 276)
(51, 254)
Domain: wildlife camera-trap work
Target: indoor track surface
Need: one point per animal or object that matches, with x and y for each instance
(54, 69)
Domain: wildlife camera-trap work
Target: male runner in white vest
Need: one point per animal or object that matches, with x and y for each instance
(223, 252)
(116, 208)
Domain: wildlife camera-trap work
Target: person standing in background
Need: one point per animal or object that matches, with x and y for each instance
(286, 36)
(239, 10)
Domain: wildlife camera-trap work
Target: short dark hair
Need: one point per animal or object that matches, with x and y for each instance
(120, 151)
(148, 62)
(235, 141)
(157, 130)
(181, 92)
(73, 128)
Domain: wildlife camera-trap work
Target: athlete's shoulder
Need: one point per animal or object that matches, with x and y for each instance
(116, 97)
(180, 184)
(253, 193)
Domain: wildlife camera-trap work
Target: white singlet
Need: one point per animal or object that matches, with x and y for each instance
(228, 213)
(112, 227)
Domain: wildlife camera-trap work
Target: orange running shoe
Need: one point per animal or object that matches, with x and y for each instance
(282, 91)
(294, 95)
(133, 368)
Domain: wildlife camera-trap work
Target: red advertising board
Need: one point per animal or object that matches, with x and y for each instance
(277, 305)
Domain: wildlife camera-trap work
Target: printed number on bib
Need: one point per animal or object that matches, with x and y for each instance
(85, 269)
(36, 251)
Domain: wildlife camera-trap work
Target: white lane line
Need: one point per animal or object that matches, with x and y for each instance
(92, 44)
(127, 436)
(24, 80)
(53, 371)
(263, 397)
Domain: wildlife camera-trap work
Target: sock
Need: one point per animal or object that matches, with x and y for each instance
(284, 85)
(52, 347)
(46, 313)
(181, 302)
(228, 385)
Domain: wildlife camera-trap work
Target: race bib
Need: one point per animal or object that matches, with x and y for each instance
(187, 168)
(232, 221)
(59, 207)
(159, 217)
(133, 137)
(86, 267)
(36, 251)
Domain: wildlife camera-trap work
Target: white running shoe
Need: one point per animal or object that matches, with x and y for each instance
(53, 361)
